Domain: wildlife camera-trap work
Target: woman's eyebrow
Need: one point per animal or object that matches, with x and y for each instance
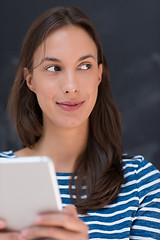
(57, 60)
(47, 59)
(50, 59)
(87, 56)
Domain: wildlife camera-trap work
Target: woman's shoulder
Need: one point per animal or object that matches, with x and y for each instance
(24, 152)
(140, 173)
(7, 154)
(136, 163)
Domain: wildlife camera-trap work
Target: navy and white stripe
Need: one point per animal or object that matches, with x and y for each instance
(135, 214)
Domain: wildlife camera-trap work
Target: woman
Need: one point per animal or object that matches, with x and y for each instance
(63, 107)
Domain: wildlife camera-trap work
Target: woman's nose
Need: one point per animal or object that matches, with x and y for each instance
(70, 83)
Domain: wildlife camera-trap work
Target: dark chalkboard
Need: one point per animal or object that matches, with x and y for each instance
(130, 33)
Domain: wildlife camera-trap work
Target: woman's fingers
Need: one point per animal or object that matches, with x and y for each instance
(64, 225)
(71, 210)
(9, 236)
(52, 232)
(62, 220)
(4, 234)
(2, 224)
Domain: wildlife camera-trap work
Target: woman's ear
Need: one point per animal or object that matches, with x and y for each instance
(28, 77)
(100, 66)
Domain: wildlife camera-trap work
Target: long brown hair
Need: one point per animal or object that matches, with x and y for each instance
(99, 166)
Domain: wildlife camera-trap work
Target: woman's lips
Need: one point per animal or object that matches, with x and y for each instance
(70, 105)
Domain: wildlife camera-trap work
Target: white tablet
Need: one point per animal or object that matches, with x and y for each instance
(28, 186)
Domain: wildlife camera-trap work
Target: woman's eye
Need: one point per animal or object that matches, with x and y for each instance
(85, 66)
(53, 68)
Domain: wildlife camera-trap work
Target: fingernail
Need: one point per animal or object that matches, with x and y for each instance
(38, 219)
(21, 237)
(1, 222)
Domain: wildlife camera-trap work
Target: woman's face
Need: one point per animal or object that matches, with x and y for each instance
(66, 77)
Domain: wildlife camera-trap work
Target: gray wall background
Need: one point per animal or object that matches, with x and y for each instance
(130, 33)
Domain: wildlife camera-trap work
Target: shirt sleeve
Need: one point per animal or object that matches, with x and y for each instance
(146, 221)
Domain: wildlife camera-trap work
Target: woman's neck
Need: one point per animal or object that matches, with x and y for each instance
(62, 145)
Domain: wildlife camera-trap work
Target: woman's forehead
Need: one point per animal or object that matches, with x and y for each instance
(67, 42)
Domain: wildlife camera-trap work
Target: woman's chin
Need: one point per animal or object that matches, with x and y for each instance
(74, 123)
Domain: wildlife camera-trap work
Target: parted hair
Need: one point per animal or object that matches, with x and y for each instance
(99, 166)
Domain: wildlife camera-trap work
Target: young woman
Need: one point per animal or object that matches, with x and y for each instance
(63, 108)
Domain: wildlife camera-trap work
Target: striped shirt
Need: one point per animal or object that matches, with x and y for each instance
(135, 214)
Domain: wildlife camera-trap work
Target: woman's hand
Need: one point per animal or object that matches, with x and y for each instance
(65, 225)
(7, 235)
